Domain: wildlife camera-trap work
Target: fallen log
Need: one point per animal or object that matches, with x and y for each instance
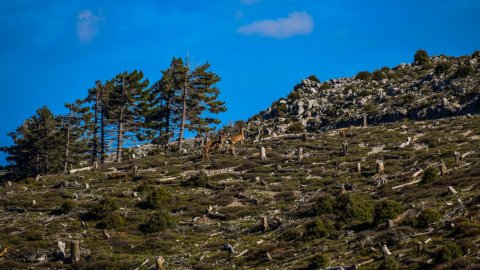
(89, 168)
(407, 184)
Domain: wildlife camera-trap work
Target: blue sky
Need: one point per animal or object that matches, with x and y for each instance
(52, 51)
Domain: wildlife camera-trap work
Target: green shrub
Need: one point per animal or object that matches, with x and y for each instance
(378, 75)
(318, 262)
(103, 209)
(158, 198)
(295, 128)
(429, 176)
(313, 78)
(443, 67)
(111, 221)
(463, 71)
(158, 221)
(363, 75)
(448, 252)
(354, 208)
(324, 86)
(427, 217)
(387, 209)
(66, 207)
(317, 229)
(389, 263)
(198, 180)
(324, 205)
(421, 57)
(294, 95)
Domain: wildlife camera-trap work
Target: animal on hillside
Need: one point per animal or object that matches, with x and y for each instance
(239, 137)
(212, 146)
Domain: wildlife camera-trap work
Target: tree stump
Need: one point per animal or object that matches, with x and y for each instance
(135, 170)
(264, 224)
(61, 247)
(364, 120)
(344, 149)
(443, 169)
(380, 167)
(75, 252)
(300, 154)
(263, 154)
(359, 167)
(390, 223)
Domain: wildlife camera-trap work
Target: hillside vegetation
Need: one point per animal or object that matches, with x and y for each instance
(314, 211)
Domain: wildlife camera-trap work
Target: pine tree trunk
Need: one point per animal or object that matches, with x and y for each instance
(184, 109)
(102, 134)
(167, 126)
(120, 125)
(67, 147)
(95, 129)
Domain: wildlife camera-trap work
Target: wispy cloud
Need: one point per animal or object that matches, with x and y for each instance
(297, 23)
(88, 25)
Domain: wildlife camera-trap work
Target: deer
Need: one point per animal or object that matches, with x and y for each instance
(213, 145)
(239, 137)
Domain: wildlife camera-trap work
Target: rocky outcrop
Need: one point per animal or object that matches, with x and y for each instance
(444, 87)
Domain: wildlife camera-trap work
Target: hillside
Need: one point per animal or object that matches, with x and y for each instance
(429, 88)
(321, 210)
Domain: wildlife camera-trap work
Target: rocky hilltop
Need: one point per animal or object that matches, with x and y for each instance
(432, 88)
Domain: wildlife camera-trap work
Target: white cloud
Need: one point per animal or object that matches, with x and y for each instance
(88, 25)
(297, 23)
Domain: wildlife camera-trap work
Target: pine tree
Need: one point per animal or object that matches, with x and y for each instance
(36, 145)
(124, 106)
(74, 127)
(204, 101)
(161, 108)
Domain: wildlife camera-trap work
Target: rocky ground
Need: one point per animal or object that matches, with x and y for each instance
(442, 87)
(332, 206)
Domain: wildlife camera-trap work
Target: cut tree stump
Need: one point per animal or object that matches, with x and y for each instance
(380, 167)
(75, 252)
(263, 155)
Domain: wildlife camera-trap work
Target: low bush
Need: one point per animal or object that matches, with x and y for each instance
(295, 128)
(318, 262)
(443, 67)
(158, 198)
(378, 75)
(427, 217)
(354, 209)
(324, 205)
(387, 209)
(158, 221)
(313, 78)
(112, 221)
(103, 209)
(198, 180)
(429, 176)
(463, 71)
(389, 263)
(363, 75)
(318, 229)
(66, 207)
(448, 252)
